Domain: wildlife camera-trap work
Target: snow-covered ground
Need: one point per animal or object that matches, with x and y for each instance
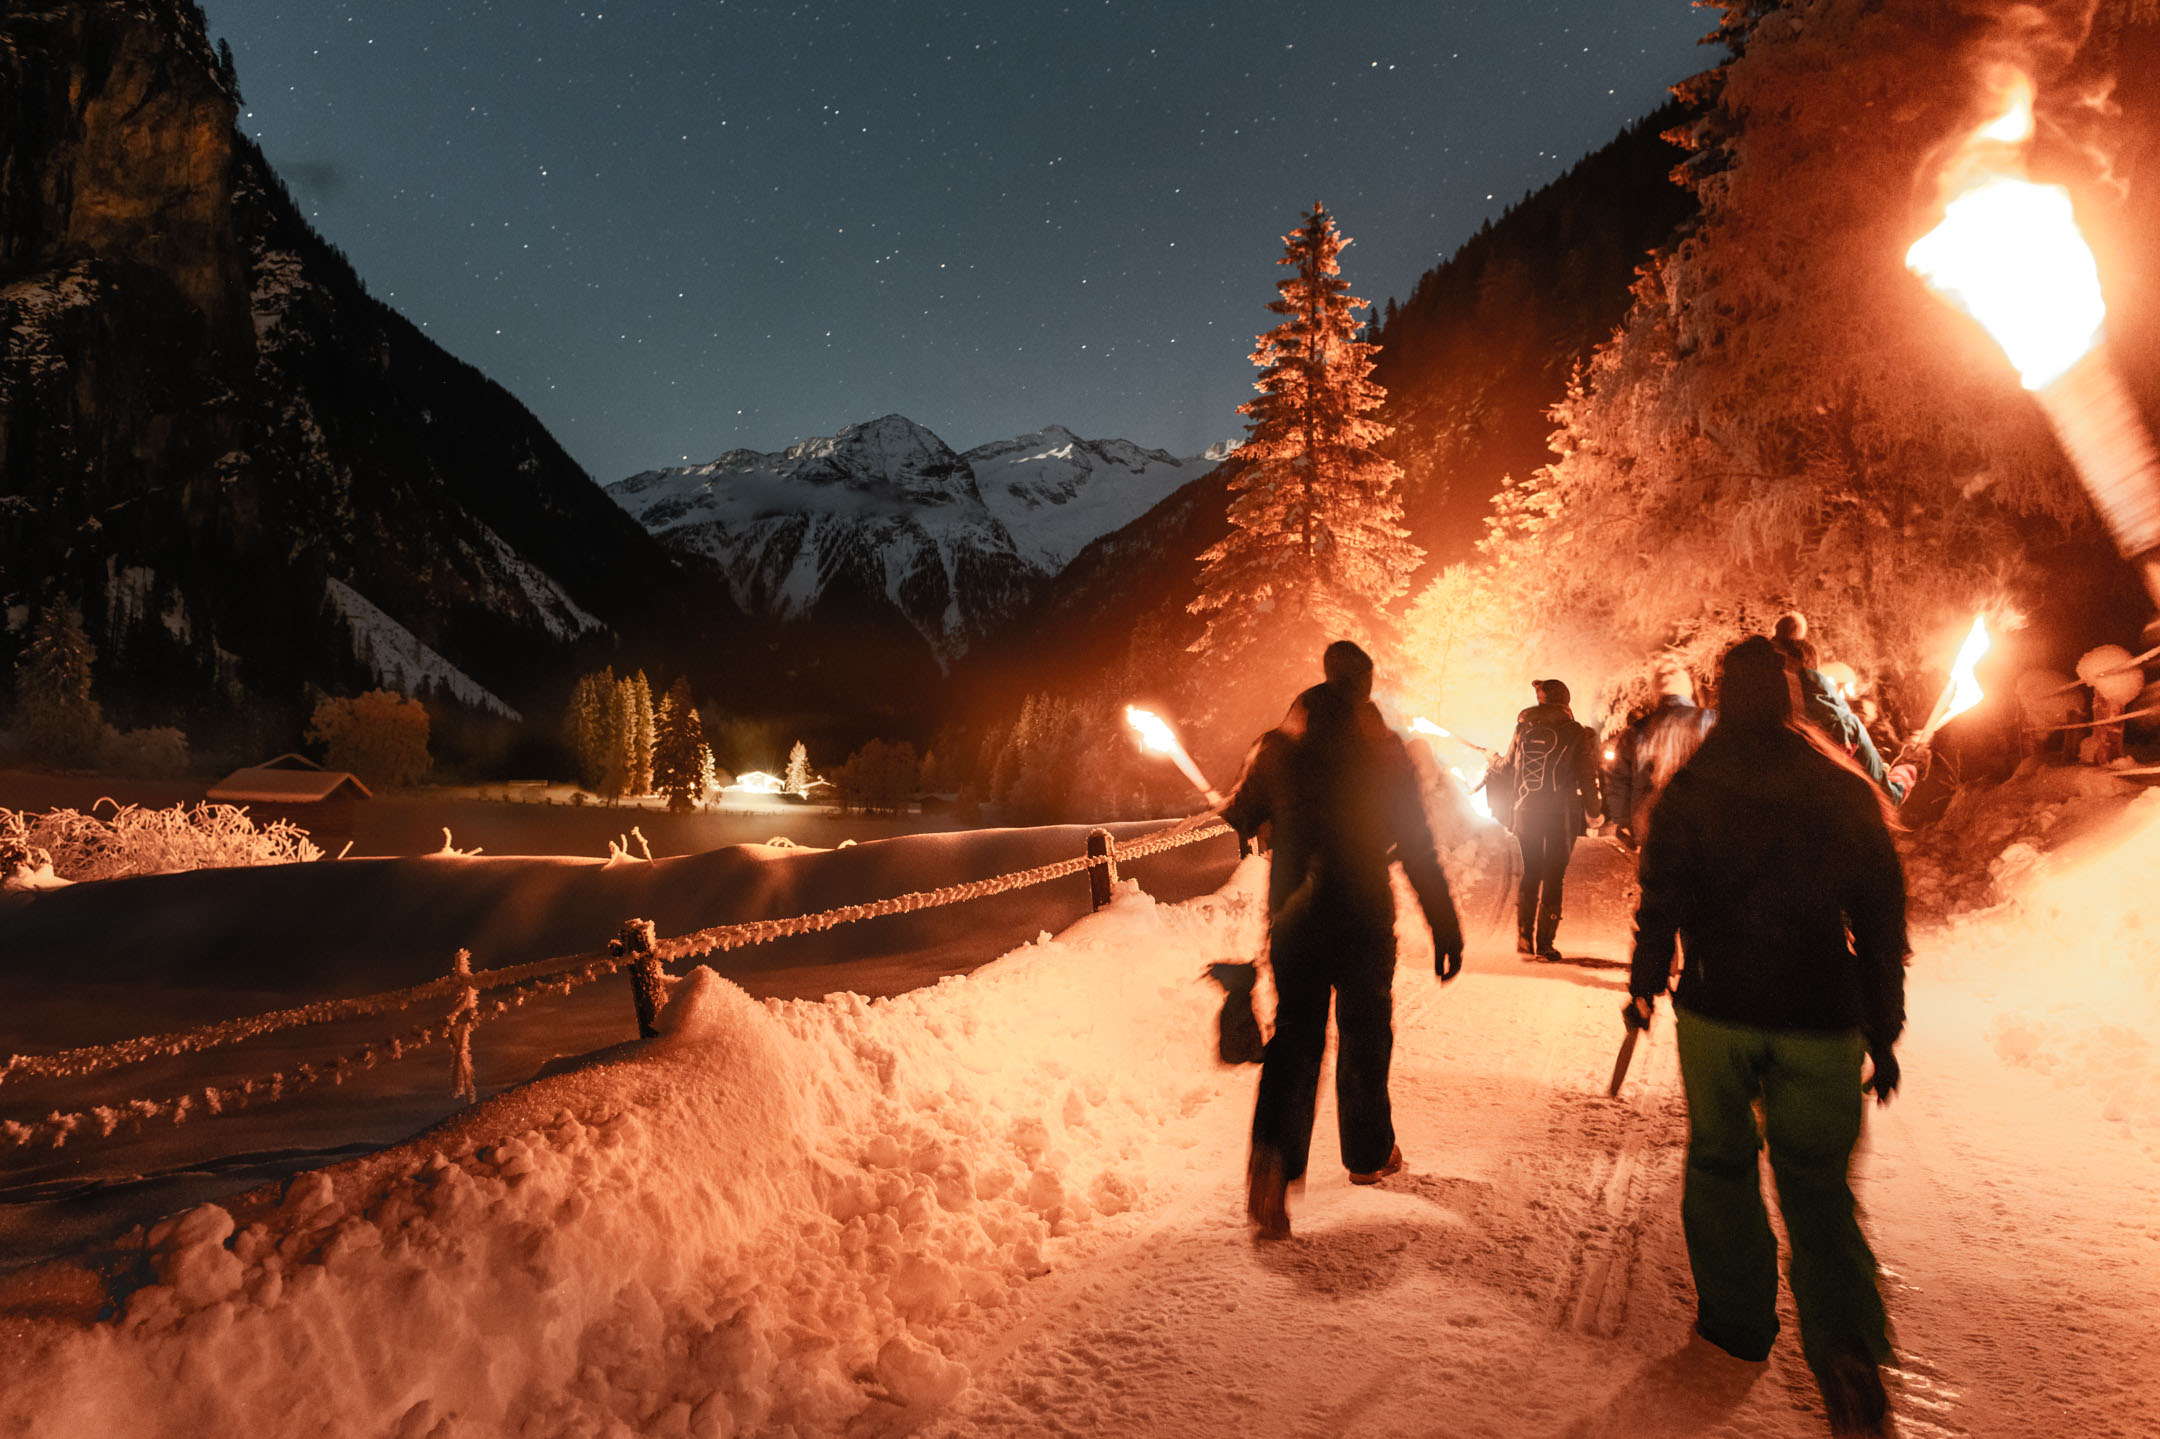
(1010, 1204)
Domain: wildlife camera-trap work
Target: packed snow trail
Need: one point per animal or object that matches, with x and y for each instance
(1011, 1204)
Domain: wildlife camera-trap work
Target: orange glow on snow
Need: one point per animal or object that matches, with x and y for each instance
(2009, 253)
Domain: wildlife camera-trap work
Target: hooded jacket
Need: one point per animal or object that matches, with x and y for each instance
(1335, 787)
(1764, 854)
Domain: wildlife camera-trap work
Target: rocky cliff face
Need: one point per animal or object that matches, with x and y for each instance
(256, 481)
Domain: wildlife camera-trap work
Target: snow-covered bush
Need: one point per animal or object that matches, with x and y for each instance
(134, 840)
(160, 753)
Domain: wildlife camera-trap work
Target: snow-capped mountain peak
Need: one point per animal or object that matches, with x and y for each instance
(956, 542)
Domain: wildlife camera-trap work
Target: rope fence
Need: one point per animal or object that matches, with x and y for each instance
(637, 949)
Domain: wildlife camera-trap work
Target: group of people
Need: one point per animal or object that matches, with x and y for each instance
(1553, 783)
(1766, 862)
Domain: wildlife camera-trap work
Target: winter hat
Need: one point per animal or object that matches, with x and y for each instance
(1792, 625)
(1551, 692)
(1752, 685)
(1348, 669)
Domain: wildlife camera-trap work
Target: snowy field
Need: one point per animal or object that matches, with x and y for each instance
(1011, 1204)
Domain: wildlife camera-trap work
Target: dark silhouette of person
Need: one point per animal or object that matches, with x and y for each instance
(1770, 859)
(1333, 788)
(1649, 752)
(1545, 790)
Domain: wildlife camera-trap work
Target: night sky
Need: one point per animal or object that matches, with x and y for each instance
(673, 230)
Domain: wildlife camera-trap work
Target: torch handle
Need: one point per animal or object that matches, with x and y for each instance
(2099, 425)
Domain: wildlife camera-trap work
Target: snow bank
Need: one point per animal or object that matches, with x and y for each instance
(2067, 969)
(772, 1214)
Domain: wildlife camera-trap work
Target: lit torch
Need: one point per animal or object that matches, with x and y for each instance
(2009, 253)
(1159, 737)
(1422, 725)
(1478, 799)
(1963, 691)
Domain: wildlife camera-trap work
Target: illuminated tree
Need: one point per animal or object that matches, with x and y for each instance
(642, 735)
(797, 780)
(60, 723)
(592, 727)
(678, 746)
(1316, 545)
(380, 736)
(1786, 417)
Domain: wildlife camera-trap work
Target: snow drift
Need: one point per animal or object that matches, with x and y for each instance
(770, 1215)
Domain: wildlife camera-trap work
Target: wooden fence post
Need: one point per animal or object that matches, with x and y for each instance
(1101, 876)
(648, 988)
(463, 1016)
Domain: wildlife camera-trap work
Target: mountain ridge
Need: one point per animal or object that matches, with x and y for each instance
(956, 543)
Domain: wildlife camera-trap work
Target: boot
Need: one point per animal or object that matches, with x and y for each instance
(1853, 1397)
(1393, 1166)
(1548, 926)
(1267, 1204)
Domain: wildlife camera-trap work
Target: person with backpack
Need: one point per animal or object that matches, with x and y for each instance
(1334, 788)
(1545, 790)
(1770, 861)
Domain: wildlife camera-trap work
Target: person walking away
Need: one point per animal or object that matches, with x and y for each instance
(1770, 859)
(1335, 787)
(1650, 751)
(1547, 782)
(1822, 704)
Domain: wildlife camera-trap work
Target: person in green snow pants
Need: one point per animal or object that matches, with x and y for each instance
(1769, 862)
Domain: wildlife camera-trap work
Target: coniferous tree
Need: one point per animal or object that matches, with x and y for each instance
(61, 724)
(622, 743)
(1316, 544)
(592, 727)
(677, 746)
(797, 779)
(642, 735)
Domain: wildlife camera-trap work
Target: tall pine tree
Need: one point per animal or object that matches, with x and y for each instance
(60, 724)
(677, 746)
(592, 727)
(1316, 545)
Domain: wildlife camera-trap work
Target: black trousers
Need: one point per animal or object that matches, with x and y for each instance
(1547, 840)
(1355, 966)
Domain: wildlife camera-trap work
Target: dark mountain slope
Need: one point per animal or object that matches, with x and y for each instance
(1485, 343)
(212, 439)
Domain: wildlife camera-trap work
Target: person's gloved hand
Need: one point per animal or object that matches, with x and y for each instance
(1635, 1014)
(1447, 943)
(1884, 1081)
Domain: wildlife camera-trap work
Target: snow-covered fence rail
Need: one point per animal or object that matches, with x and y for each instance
(638, 949)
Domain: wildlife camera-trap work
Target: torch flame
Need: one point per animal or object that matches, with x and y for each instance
(1422, 725)
(1154, 733)
(2009, 253)
(1159, 737)
(1963, 691)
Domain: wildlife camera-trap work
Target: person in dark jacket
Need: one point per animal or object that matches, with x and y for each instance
(1651, 751)
(1771, 860)
(1822, 703)
(1545, 790)
(1333, 786)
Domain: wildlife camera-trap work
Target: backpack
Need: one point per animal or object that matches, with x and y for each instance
(1538, 774)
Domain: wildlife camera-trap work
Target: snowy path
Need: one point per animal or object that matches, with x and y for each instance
(1527, 1275)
